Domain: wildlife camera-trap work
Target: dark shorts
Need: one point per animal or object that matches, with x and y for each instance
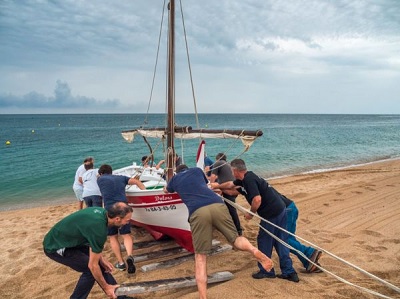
(123, 230)
(93, 201)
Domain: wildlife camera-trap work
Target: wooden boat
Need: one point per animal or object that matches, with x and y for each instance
(164, 214)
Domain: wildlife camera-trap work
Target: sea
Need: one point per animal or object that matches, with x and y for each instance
(39, 153)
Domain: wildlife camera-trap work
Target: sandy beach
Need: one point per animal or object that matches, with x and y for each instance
(353, 213)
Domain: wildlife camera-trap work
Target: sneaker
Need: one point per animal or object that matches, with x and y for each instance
(291, 277)
(260, 275)
(314, 258)
(121, 267)
(131, 265)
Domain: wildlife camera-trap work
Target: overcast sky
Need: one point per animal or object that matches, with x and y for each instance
(247, 56)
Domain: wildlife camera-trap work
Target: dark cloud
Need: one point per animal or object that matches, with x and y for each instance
(63, 98)
(238, 49)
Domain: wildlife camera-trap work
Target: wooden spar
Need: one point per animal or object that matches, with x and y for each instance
(167, 263)
(151, 243)
(178, 260)
(188, 129)
(162, 244)
(167, 284)
(160, 253)
(171, 93)
(232, 132)
(177, 129)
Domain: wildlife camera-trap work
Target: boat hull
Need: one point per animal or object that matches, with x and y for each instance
(161, 214)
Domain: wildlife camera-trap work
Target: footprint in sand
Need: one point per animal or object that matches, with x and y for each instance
(325, 240)
(341, 236)
(15, 254)
(371, 233)
(317, 213)
(375, 249)
(348, 293)
(338, 199)
(394, 241)
(305, 221)
(37, 245)
(300, 195)
(32, 272)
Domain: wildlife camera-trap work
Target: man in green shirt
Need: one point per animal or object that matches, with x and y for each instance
(77, 241)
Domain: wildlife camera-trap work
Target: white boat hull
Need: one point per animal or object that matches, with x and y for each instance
(161, 214)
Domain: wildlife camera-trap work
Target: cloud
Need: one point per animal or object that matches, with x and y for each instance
(63, 98)
(293, 54)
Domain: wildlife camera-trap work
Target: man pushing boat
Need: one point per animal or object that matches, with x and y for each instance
(207, 211)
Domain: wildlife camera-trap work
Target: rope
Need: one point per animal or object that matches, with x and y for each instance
(190, 67)
(155, 65)
(236, 157)
(243, 210)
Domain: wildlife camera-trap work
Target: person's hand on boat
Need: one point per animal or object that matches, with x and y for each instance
(159, 164)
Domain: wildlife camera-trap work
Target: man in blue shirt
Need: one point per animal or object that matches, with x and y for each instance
(112, 188)
(207, 211)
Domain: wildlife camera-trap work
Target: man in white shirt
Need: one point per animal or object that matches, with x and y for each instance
(91, 192)
(78, 182)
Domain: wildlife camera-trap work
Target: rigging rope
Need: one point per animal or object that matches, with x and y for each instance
(230, 147)
(189, 66)
(244, 210)
(155, 65)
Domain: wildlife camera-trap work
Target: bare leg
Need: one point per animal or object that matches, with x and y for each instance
(201, 274)
(243, 244)
(128, 242)
(80, 205)
(116, 248)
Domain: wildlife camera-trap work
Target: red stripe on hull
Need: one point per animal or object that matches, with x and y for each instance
(162, 214)
(182, 237)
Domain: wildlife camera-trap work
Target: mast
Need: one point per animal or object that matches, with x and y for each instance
(171, 92)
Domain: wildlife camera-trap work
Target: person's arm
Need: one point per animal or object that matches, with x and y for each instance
(134, 181)
(226, 185)
(106, 264)
(206, 171)
(231, 191)
(94, 267)
(255, 204)
(213, 178)
(159, 164)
